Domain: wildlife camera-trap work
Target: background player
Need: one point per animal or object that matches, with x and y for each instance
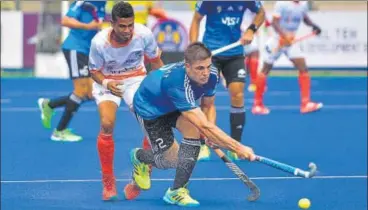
(286, 20)
(76, 48)
(223, 23)
(116, 63)
(166, 99)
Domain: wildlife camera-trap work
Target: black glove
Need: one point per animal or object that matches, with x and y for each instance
(316, 29)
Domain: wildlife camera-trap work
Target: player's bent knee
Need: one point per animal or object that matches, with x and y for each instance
(83, 88)
(165, 162)
(107, 126)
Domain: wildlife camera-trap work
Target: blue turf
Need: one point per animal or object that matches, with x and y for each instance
(335, 138)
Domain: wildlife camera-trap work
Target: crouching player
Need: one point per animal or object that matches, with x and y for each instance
(167, 99)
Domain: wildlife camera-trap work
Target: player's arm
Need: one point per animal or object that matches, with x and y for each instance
(255, 7)
(70, 20)
(199, 13)
(152, 52)
(260, 15)
(182, 98)
(310, 23)
(215, 134)
(95, 65)
(276, 20)
(208, 108)
(156, 12)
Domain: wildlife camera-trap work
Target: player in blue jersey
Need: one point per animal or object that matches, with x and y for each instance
(84, 18)
(223, 27)
(166, 99)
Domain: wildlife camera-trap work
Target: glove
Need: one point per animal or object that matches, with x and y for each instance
(316, 29)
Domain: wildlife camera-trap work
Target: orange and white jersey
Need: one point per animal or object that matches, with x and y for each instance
(291, 14)
(124, 61)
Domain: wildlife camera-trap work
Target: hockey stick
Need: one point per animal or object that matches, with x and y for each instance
(289, 169)
(296, 40)
(255, 191)
(221, 50)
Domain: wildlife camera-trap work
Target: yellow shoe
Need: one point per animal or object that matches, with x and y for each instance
(180, 197)
(204, 153)
(141, 172)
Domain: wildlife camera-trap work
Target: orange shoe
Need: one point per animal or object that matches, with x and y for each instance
(260, 110)
(310, 107)
(109, 188)
(131, 191)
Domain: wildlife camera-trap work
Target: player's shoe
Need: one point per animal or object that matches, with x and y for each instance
(310, 107)
(141, 172)
(252, 88)
(131, 191)
(204, 153)
(180, 197)
(65, 135)
(109, 188)
(46, 112)
(232, 155)
(260, 110)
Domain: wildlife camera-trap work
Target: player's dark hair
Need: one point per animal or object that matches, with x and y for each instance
(122, 10)
(196, 51)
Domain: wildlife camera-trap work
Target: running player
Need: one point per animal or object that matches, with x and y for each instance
(167, 99)
(223, 23)
(286, 20)
(76, 49)
(116, 63)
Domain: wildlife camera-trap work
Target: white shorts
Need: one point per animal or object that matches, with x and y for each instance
(130, 86)
(271, 54)
(252, 47)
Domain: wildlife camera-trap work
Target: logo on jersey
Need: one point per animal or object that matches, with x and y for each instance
(230, 21)
(170, 35)
(134, 57)
(110, 65)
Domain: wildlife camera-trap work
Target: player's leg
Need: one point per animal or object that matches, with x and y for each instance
(307, 105)
(163, 154)
(131, 85)
(270, 56)
(47, 106)
(78, 65)
(235, 74)
(251, 62)
(187, 158)
(107, 106)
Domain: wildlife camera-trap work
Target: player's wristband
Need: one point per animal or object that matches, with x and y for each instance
(253, 27)
(105, 81)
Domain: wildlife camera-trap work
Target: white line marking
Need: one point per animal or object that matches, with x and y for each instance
(170, 179)
(5, 100)
(218, 93)
(218, 108)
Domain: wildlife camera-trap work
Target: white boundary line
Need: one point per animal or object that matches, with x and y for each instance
(170, 179)
(218, 108)
(218, 93)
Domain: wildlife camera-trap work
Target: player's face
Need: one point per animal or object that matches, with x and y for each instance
(123, 28)
(199, 71)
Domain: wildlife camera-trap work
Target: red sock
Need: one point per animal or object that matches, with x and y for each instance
(261, 86)
(105, 147)
(304, 83)
(253, 69)
(146, 145)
